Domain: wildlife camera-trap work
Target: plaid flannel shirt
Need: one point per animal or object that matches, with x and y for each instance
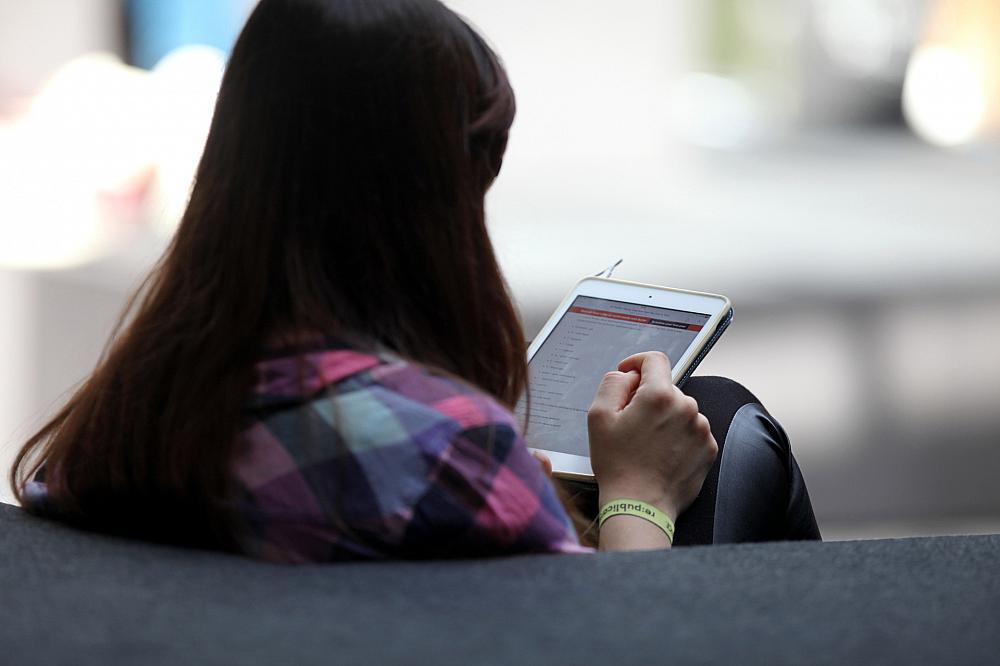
(351, 455)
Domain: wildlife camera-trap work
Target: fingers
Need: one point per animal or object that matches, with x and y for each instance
(688, 408)
(656, 390)
(701, 426)
(544, 461)
(615, 391)
(653, 368)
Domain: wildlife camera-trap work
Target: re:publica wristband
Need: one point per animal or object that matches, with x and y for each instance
(633, 507)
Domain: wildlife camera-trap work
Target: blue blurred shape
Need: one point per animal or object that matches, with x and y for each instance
(157, 27)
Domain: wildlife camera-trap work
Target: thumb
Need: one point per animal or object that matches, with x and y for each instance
(544, 461)
(615, 391)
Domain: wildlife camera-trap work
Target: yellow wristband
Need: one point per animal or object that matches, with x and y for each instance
(633, 507)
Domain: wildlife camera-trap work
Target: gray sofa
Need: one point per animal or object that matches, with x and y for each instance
(78, 598)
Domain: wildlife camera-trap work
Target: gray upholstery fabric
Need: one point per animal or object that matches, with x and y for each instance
(77, 598)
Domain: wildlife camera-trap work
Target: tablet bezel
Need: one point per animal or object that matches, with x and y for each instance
(716, 306)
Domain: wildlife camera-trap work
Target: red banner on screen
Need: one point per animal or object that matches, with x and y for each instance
(635, 319)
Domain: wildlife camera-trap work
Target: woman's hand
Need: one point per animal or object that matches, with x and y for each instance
(647, 442)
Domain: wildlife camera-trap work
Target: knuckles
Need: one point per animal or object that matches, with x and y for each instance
(689, 408)
(660, 398)
(597, 416)
(702, 427)
(713, 449)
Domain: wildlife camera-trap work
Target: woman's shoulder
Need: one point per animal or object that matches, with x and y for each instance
(413, 461)
(451, 397)
(370, 398)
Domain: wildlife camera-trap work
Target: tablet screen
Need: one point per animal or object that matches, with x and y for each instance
(592, 337)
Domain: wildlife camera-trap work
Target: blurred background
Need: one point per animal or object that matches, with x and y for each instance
(833, 166)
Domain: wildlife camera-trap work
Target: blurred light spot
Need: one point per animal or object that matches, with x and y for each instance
(94, 109)
(944, 99)
(714, 112)
(83, 138)
(77, 168)
(860, 36)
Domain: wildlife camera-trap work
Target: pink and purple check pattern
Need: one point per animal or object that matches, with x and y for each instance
(351, 455)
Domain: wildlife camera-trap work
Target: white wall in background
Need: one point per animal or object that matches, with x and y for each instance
(592, 81)
(17, 364)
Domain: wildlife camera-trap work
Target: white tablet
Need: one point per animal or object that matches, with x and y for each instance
(601, 322)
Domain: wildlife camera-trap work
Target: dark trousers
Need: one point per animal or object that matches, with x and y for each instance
(754, 491)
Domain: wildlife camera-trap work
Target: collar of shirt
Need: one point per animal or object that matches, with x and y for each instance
(290, 375)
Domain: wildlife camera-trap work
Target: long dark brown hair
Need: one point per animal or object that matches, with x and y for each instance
(340, 192)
